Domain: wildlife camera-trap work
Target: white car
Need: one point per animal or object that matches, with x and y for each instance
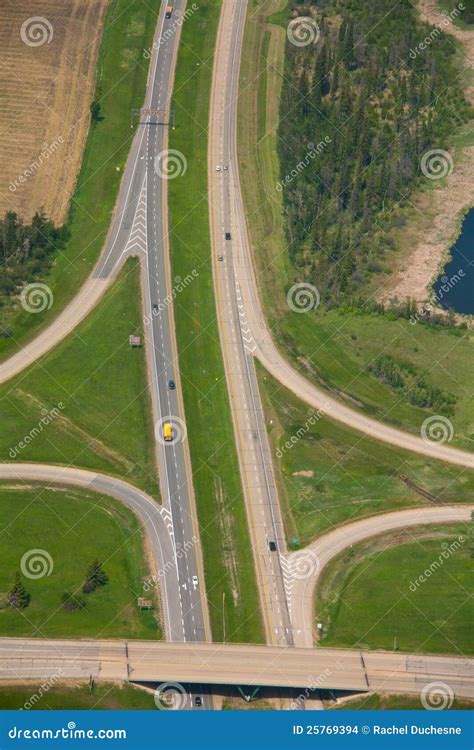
(218, 168)
(195, 581)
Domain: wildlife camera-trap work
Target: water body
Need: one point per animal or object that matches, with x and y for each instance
(455, 287)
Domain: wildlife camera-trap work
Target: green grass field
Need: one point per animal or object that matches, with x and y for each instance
(228, 562)
(385, 702)
(121, 79)
(104, 422)
(73, 527)
(332, 348)
(329, 474)
(372, 595)
(61, 697)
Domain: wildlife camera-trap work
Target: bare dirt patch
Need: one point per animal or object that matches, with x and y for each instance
(47, 81)
(437, 212)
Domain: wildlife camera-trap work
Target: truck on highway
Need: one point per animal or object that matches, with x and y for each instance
(169, 11)
(167, 432)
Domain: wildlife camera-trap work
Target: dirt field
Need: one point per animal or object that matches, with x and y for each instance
(438, 212)
(47, 78)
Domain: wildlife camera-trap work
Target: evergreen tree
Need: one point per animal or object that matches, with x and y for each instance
(18, 597)
(95, 577)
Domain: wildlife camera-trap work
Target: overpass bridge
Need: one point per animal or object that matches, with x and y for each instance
(229, 664)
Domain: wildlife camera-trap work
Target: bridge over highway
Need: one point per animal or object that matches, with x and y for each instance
(227, 664)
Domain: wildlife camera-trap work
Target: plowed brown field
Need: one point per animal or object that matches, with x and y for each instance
(47, 77)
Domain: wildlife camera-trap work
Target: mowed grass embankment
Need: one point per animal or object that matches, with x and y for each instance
(332, 348)
(328, 474)
(386, 702)
(63, 697)
(87, 403)
(409, 590)
(121, 80)
(73, 527)
(228, 560)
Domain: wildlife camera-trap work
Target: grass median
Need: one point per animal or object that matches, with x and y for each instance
(408, 590)
(121, 80)
(228, 561)
(53, 526)
(87, 403)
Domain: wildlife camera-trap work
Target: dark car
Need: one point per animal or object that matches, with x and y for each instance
(171, 385)
(155, 308)
(227, 235)
(272, 546)
(198, 701)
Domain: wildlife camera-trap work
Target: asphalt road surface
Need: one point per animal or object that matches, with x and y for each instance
(256, 467)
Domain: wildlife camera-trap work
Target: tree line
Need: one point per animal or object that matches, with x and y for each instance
(380, 110)
(27, 251)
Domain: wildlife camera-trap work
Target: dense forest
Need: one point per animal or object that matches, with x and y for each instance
(375, 103)
(26, 251)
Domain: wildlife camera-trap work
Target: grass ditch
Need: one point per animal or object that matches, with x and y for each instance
(121, 81)
(228, 563)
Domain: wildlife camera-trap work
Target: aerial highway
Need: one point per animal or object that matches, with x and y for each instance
(301, 579)
(225, 664)
(257, 337)
(139, 227)
(256, 466)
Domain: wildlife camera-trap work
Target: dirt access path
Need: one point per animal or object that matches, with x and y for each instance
(438, 211)
(47, 79)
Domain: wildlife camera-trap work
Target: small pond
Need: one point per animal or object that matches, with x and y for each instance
(455, 287)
